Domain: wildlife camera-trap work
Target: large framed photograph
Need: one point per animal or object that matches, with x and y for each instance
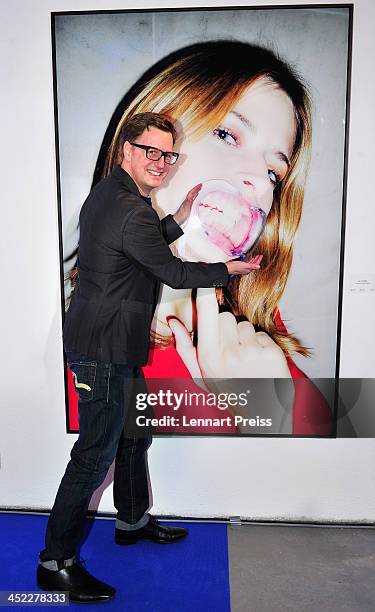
(260, 99)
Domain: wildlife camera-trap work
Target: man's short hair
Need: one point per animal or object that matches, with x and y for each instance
(137, 124)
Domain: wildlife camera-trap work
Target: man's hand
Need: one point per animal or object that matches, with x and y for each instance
(182, 214)
(244, 267)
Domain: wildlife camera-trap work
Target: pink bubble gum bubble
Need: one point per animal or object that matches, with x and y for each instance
(228, 219)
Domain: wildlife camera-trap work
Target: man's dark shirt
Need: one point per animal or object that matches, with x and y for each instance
(123, 256)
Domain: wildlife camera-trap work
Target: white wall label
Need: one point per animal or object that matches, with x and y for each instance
(364, 283)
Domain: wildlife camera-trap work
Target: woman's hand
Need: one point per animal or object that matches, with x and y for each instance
(227, 349)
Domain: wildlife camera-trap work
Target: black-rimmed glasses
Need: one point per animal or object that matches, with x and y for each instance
(154, 154)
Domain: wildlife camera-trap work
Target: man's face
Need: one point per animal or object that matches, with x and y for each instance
(147, 174)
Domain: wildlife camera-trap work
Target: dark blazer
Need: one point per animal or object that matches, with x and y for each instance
(123, 256)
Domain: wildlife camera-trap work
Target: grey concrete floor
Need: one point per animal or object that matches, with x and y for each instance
(276, 568)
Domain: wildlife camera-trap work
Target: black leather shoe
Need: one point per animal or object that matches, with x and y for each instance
(154, 531)
(77, 581)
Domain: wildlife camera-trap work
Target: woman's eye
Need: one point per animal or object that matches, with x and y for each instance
(225, 135)
(274, 178)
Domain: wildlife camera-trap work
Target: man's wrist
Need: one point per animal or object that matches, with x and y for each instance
(177, 219)
(171, 229)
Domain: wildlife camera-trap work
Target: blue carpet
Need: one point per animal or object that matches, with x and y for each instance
(189, 575)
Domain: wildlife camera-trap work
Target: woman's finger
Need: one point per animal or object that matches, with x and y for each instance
(185, 347)
(207, 321)
(264, 339)
(246, 332)
(228, 329)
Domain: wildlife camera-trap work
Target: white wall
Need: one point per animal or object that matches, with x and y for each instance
(256, 478)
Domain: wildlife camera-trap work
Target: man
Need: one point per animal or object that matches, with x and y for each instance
(123, 257)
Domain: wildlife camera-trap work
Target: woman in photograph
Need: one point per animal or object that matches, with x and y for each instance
(244, 124)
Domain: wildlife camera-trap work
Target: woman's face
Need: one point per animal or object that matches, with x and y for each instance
(239, 163)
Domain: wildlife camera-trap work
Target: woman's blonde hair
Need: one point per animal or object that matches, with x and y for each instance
(197, 86)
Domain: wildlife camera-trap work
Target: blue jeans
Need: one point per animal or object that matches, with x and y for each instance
(104, 391)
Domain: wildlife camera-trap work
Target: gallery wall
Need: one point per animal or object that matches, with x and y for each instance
(290, 479)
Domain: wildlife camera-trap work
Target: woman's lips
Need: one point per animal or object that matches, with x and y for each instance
(229, 221)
